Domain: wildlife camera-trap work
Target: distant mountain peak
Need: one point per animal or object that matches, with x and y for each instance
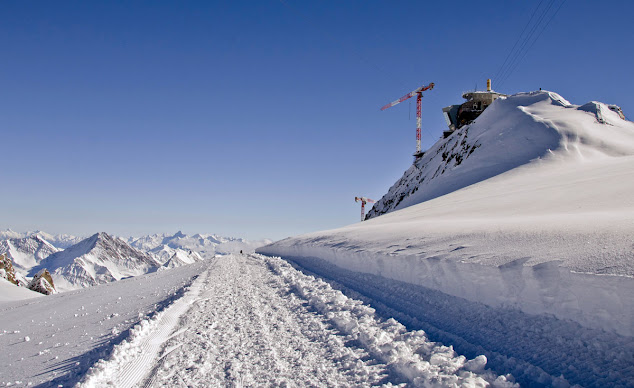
(97, 259)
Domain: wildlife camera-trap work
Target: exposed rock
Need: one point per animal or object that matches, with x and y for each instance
(43, 283)
(7, 271)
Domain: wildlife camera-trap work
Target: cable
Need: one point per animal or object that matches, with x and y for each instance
(536, 39)
(519, 52)
(499, 72)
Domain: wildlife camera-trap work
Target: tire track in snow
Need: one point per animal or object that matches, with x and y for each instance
(132, 359)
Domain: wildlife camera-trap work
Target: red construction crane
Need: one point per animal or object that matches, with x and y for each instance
(419, 93)
(363, 200)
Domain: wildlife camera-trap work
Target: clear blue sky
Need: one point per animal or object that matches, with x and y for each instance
(258, 119)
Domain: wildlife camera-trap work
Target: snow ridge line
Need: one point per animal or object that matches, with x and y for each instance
(133, 358)
(410, 354)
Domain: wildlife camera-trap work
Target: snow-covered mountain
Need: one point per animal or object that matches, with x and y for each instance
(98, 259)
(165, 253)
(104, 258)
(27, 252)
(207, 245)
(181, 257)
(61, 241)
(8, 233)
(513, 131)
(530, 206)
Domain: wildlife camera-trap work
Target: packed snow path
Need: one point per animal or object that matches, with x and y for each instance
(257, 321)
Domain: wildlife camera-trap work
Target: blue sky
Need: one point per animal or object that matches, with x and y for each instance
(259, 119)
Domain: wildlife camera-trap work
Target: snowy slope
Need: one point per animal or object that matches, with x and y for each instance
(27, 252)
(10, 292)
(96, 260)
(234, 320)
(51, 340)
(511, 132)
(549, 232)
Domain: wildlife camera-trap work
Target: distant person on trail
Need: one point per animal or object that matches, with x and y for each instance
(240, 251)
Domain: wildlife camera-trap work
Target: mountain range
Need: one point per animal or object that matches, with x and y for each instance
(103, 258)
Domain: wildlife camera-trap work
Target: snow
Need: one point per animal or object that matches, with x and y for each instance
(60, 241)
(207, 245)
(9, 292)
(527, 211)
(244, 320)
(502, 256)
(70, 331)
(535, 237)
(26, 252)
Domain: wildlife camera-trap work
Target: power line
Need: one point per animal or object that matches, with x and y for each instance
(517, 54)
(499, 72)
(536, 39)
(526, 45)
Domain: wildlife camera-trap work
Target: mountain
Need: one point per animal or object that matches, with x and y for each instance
(207, 245)
(98, 259)
(181, 257)
(43, 283)
(518, 130)
(8, 233)
(27, 252)
(528, 207)
(165, 253)
(61, 241)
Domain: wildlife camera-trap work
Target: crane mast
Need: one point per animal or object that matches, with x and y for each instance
(419, 98)
(363, 201)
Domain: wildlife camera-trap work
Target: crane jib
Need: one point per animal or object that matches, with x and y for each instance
(409, 95)
(419, 93)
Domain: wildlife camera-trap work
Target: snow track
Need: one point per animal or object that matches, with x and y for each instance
(256, 321)
(132, 359)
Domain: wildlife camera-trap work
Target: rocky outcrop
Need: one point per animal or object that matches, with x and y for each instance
(42, 282)
(7, 271)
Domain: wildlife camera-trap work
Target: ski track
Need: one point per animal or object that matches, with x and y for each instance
(253, 320)
(132, 359)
